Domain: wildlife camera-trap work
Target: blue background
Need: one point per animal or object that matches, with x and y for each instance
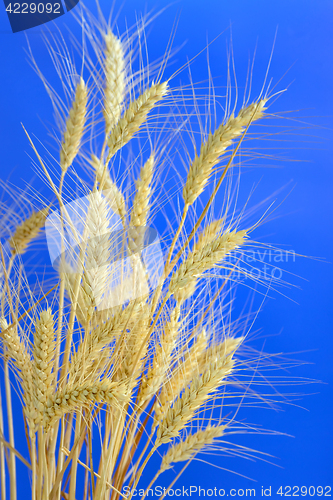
(300, 321)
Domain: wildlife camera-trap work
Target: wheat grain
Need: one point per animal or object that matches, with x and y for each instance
(114, 67)
(74, 127)
(216, 144)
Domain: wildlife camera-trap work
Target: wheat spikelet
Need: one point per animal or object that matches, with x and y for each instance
(114, 67)
(114, 196)
(186, 449)
(198, 262)
(162, 359)
(71, 398)
(134, 116)
(74, 127)
(194, 396)
(216, 144)
(43, 357)
(27, 231)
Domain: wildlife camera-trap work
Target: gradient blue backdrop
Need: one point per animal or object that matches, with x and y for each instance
(303, 325)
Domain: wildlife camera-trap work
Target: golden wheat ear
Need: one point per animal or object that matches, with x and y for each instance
(27, 231)
(134, 117)
(194, 443)
(114, 92)
(74, 127)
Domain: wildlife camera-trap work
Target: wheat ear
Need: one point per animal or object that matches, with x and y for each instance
(134, 116)
(186, 449)
(114, 67)
(97, 251)
(43, 357)
(181, 376)
(113, 194)
(195, 396)
(216, 144)
(141, 201)
(162, 359)
(205, 238)
(71, 398)
(27, 231)
(197, 262)
(91, 348)
(74, 127)
(20, 357)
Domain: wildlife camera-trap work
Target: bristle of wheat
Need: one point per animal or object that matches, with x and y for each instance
(27, 231)
(114, 91)
(193, 444)
(195, 396)
(134, 117)
(197, 262)
(74, 127)
(216, 144)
